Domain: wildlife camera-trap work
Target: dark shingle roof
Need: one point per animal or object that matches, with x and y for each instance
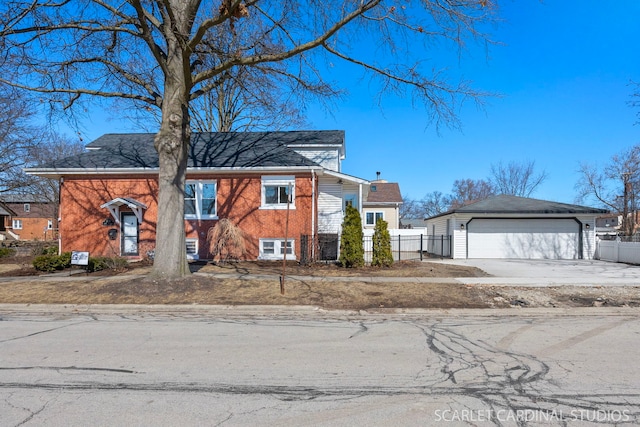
(22, 198)
(5, 210)
(207, 150)
(384, 192)
(505, 204)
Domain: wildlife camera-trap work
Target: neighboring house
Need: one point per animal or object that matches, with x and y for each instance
(611, 224)
(382, 201)
(275, 186)
(516, 227)
(608, 224)
(29, 218)
(413, 224)
(5, 218)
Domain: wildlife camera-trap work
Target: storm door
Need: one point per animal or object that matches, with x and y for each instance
(129, 232)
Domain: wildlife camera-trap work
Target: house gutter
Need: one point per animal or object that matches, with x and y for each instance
(147, 171)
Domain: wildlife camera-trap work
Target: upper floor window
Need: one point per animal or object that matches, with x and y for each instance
(372, 217)
(17, 224)
(277, 191)
(200, 200)
(27, 207)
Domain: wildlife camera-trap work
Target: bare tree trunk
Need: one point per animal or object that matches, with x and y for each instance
(172, 143)
(170, 253)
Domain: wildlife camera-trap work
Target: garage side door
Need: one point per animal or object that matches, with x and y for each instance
(523, 238)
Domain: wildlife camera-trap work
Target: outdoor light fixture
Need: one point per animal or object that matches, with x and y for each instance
(587, 226)
(461, 226)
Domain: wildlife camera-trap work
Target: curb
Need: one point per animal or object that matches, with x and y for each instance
(287, 311)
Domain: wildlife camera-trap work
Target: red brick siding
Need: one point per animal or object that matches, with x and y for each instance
(238, 198)
(34, 223)
(81, 216)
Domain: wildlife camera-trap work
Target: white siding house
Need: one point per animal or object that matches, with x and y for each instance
(329, 206)
(517, 227)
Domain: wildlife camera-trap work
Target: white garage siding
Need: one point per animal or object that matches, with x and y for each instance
(523, 238)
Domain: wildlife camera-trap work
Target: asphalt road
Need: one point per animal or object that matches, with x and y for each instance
(155, 366)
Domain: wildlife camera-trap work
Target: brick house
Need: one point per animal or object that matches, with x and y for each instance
(26, 217)
(273, 185)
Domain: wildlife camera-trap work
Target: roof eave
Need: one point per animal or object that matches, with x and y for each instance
(145, 171)
(524, 214)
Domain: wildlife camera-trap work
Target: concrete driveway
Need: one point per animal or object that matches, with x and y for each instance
(525, 272)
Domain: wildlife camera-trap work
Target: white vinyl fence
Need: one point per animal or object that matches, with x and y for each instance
(617, 251)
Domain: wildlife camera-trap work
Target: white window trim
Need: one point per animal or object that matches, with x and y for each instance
(269, 181)
(16, 224)
(375, 214)
(193, 256)
(199, 192)
(277, 248)
(49, 224)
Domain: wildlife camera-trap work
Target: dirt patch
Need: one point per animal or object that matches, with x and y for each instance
(566, 296)
(324, 285)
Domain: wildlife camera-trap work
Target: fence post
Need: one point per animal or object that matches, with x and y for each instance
(441, 246)
(421, 247)
(399, 247)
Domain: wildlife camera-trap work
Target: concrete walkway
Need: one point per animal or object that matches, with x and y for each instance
(521, 272)
(530, 273)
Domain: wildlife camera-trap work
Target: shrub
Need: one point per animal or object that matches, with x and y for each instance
(51, 263)
(351, 240)
(51, 250)
(43, 248)
(382, 256)
(107, 263)
(6, 252)
(226, 241)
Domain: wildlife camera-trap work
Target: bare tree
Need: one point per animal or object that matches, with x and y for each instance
(247, 102)
(151, 53)
(616, 185)
(467, 191)
(434, 203)
(409, 208)
(54, 147)
(18, 138)
(516, 178)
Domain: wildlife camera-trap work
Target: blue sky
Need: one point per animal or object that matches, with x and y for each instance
(563, 70)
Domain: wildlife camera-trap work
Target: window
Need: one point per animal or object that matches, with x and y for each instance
(200, 200)
(17, 224)
(49, 224)
(275, 248)
(350, 200)
(372, 217)
(277, 191)
(192, 249)
(27, 207)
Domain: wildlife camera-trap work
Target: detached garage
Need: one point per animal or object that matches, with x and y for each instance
(517, 227)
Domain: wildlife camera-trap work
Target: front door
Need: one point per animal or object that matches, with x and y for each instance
(129, 233)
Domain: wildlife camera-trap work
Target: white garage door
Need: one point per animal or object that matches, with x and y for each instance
(523, 238)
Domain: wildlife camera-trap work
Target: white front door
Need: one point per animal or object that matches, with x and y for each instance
(129, 244)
